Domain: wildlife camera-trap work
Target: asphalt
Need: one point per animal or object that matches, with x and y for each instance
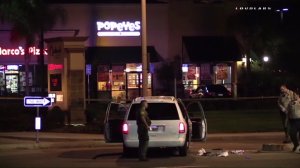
(43, 140)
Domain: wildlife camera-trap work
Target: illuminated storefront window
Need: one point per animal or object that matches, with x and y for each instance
(222, 75)
(104, 83)
(121, 81)
(195, 75)
(13, 79)
(190, 77)
(135, 79)
(112, 81)
(2, 79)
(118, 82)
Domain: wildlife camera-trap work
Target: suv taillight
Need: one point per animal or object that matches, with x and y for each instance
(181, 128)
(125, 128)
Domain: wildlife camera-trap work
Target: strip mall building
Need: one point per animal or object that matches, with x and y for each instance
(192, 32)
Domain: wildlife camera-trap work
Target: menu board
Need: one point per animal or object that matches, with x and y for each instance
(191, 74)
(55, 82)
(222, 73)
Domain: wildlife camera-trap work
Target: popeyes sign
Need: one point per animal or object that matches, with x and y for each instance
(123, 28)
(21, 51)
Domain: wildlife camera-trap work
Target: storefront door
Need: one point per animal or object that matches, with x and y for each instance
(12, 83)
(134, 84)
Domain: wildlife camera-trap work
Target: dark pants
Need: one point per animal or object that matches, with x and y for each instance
(294, 130)
(285, 124)
(143, 141)
(143, 148)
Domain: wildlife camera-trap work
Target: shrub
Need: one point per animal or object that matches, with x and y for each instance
(55, 118)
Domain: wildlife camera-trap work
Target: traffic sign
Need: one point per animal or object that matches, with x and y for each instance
(30, 101)
(88, 69)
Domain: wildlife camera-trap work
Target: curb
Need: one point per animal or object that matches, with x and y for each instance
(47, 139)
(55, 145)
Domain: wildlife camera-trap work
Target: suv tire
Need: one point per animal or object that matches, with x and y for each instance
(127, 152)
(184, 150)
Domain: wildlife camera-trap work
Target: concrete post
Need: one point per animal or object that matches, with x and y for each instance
(66, 76)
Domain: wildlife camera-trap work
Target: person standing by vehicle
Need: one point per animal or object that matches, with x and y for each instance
(294, 120)
(143, 126)
(283, 102)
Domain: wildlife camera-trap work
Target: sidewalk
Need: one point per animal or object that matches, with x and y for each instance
(28, 140)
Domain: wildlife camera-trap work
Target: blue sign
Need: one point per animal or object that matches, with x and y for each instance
(30, 101)
(88, 69)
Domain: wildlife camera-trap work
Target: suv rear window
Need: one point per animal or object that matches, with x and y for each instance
(217, 88)
(117, 111)
(156, 111)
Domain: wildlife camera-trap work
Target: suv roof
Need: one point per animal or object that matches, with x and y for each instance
(167, 99)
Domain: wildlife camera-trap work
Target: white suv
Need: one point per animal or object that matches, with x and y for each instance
(171, 125)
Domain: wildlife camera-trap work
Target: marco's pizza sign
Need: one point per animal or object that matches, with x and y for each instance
(21, 51)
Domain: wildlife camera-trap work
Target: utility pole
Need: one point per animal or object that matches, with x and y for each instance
(144, 49)
(42, 64)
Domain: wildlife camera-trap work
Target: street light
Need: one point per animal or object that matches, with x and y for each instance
(266, 58)
(281, 12)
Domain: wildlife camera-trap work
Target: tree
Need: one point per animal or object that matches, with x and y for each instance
(264, 32)
(29, 19)
(169, 71)
(268, 33)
